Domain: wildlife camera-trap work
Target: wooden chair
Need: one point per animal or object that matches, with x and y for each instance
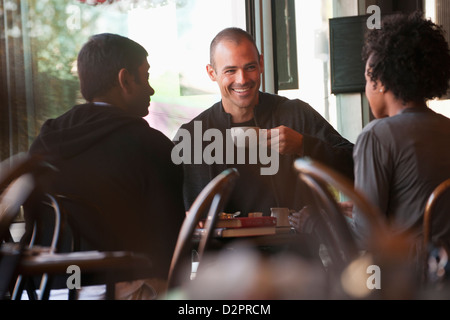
(19, 164)
(17, 182)
(96, 267)
(390, 252)
(10, 254)
(210, 201)
(12, 169)
(333, 229)
(436, 233)
(18, 260)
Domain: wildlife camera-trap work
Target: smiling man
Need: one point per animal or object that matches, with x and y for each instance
(294, 129)
(236, 66)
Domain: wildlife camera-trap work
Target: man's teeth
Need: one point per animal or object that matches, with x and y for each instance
(241, 90)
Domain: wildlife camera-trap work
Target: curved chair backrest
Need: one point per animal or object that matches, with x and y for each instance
(12, 168)
(20, 263)
(51, 265)
(52, 249)
(211, 200)
(17, 183)
(334, 228)
(11, 201)
(436, 223)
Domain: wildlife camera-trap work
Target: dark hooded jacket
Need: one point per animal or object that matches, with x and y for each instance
(255, 192)
(121, 165)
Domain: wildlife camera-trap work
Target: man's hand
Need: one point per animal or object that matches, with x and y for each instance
(289, 140)
(347, 208)
(298, 219)
(303, 220)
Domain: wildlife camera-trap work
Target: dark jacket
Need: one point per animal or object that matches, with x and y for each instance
(123, 166)
(321, 142)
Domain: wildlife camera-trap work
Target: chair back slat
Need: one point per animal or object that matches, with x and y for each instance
(210, 201)
(436, 225)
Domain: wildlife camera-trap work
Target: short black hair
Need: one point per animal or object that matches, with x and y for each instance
(101, 59)
(231, 34)
(409, 56)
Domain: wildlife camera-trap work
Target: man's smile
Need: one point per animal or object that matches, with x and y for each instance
(242, 91)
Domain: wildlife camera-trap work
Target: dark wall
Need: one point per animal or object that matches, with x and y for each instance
(405, 6)
(346, 42)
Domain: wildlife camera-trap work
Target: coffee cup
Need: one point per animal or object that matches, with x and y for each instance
(245, 137)
(282, 215)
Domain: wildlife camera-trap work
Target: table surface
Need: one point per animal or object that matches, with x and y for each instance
(301, 243)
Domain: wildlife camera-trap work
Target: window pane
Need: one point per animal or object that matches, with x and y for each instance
(438, 11)
(176, 34)
(312, 37)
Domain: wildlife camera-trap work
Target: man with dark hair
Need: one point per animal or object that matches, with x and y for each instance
(294, 129)
(108, 155)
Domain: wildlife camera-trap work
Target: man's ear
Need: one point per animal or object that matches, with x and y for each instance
(125, 80)
(211, 72)
(261, 63)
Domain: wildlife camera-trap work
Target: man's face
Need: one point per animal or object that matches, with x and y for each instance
(237, 70)
(140, 98)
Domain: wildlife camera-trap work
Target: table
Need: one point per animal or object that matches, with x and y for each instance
(303, 244)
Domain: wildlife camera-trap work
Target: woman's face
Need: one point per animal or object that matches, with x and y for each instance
(375, 94)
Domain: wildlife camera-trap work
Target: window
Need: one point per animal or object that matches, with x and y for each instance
(41, 39)
(312, 38)
(438, 11)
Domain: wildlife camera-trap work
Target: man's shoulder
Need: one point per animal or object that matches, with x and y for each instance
(208, 115)
(283, 102)
(286, 108)
(146, 133)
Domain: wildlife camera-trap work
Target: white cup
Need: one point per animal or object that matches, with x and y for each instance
(244, 137)
(282, 215)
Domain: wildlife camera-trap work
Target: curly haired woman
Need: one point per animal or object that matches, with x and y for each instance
(404, 154)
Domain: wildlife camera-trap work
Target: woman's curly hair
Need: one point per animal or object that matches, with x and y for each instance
(409, 56)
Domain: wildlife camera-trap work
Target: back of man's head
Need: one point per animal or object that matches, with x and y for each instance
(101, 59)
